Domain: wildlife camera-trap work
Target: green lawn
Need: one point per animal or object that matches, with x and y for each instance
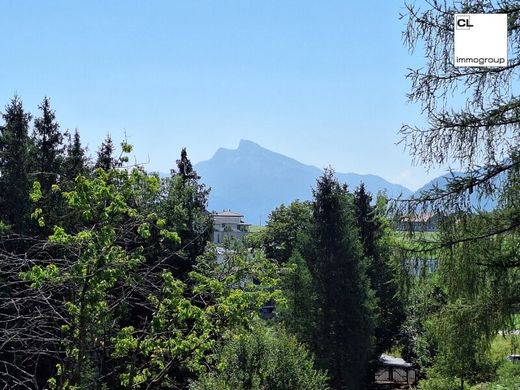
(256, 228)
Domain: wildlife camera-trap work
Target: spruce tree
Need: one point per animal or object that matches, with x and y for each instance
(346, 326)
(105, 155)
(390, 311)
(76, 161)
(48, 150)
(15, 166)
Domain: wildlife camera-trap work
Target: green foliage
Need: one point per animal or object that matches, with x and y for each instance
(48, 151)
(75, 161)
(263, 357)
(105, 155)
(301, 313)
(345, 330)
(238, 283)
(477, 251)
(126, 318)
(508, 377)
(376, 237)
(183, 206)
(15, 166)
(284, 228)
(439, 382)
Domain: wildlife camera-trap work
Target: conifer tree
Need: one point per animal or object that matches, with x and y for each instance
(185, 167)
(345, 327)
(15, 166)
(48, 150)
(185, 207)
(390, 311)
(105, 155)
(76, 161)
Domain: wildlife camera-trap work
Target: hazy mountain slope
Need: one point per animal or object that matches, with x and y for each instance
(253, 180)
(441, 181)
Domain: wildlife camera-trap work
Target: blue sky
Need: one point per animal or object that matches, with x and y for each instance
(322, 82)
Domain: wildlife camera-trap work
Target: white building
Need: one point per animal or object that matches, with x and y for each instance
(228, 224)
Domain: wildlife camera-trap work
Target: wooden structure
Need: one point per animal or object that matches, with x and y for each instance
(395, 372)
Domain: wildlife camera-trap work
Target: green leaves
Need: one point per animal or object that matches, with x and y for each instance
(36, 193)
(263, 357)
(122, 302)
(38, 275)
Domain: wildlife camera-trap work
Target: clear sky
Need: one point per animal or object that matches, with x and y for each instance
(319, 81)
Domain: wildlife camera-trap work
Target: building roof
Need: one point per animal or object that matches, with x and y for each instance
(422, 217)
(387, 360)
(227, 213)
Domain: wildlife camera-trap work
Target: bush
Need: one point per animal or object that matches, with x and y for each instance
(263, 358)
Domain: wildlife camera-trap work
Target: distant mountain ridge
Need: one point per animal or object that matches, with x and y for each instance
(485, 203)
(253, 180)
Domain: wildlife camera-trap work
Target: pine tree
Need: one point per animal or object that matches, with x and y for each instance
(76, 161)
(390, 311)
(105, 155)
(48, 147)
(15, 166)
(345, 327)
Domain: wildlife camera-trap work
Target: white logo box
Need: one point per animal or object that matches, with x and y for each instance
(480, 40)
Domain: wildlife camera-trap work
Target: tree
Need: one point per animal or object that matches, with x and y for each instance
(184, 206)
(284, 229)
(15, 165)
(345, 326)
(472, 120)
(374, 232)
(185, 168)
(105, 155)
(76, 161)
(98, 306)
(263, 358)
(48, 147)
(472, 114)
(301, 311)
(48, 160)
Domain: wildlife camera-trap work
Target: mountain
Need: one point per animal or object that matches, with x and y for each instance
(486, 203)
(253, 181)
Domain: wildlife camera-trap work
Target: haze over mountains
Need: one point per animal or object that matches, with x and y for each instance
(253, 181)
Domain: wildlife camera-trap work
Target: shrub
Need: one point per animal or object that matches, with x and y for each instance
(263, 358)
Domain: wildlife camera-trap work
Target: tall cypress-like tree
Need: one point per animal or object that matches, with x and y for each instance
(48, 150)
(185, 167)
(15, 166)
(390, 311)
(346, 326)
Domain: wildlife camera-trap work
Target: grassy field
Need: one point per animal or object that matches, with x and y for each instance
(256, 228)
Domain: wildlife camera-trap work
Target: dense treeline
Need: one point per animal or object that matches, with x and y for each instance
(342, 297)
(108, 279)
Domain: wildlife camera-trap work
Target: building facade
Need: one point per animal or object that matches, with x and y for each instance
(424, 222)
(228, 225)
